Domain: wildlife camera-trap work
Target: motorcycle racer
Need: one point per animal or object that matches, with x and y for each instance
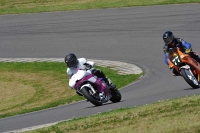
(74, 64)
(171, 41)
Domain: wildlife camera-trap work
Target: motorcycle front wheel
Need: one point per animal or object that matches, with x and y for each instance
(190, 78)
(116, 95)
(87, 93)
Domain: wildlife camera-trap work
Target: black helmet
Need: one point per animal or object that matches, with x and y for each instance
(71, 60)
(168, 37)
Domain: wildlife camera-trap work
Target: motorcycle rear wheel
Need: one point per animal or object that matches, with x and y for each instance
(89, 96)
(186, 75)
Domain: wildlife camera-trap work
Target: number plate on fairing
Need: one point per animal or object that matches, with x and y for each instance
(176, 60)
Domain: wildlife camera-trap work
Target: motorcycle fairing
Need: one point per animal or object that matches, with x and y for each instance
(177, 58)
(88, 78)
(78, 76)
(174, 57)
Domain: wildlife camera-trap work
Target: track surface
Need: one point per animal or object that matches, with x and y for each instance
(132, 35)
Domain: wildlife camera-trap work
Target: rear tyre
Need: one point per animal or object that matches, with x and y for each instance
(190, 78)
(116, 95)
(86, 93)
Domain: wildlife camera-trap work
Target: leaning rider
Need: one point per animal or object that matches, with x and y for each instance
(82, 63)
(171, 41)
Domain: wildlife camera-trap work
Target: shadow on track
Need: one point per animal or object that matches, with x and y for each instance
(105, 104)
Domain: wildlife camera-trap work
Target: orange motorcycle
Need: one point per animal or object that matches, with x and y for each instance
(186, 66)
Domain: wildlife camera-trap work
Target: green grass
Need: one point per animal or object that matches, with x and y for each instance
(169, 116)
(33, 6)
(28, 87)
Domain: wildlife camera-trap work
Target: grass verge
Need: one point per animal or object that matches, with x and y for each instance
(34, 6)
(28, 87)
(169, 116)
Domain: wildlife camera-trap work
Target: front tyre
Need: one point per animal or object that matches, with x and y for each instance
(190, 78)
(116, 95)
(87, 93)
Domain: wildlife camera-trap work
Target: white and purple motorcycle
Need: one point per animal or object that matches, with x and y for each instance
(90, 86)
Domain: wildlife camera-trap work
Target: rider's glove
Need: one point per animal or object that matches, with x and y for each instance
(188, 50)
(169, 67)
(88, 66)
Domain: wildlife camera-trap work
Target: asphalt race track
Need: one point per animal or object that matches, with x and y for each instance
(132, 35)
